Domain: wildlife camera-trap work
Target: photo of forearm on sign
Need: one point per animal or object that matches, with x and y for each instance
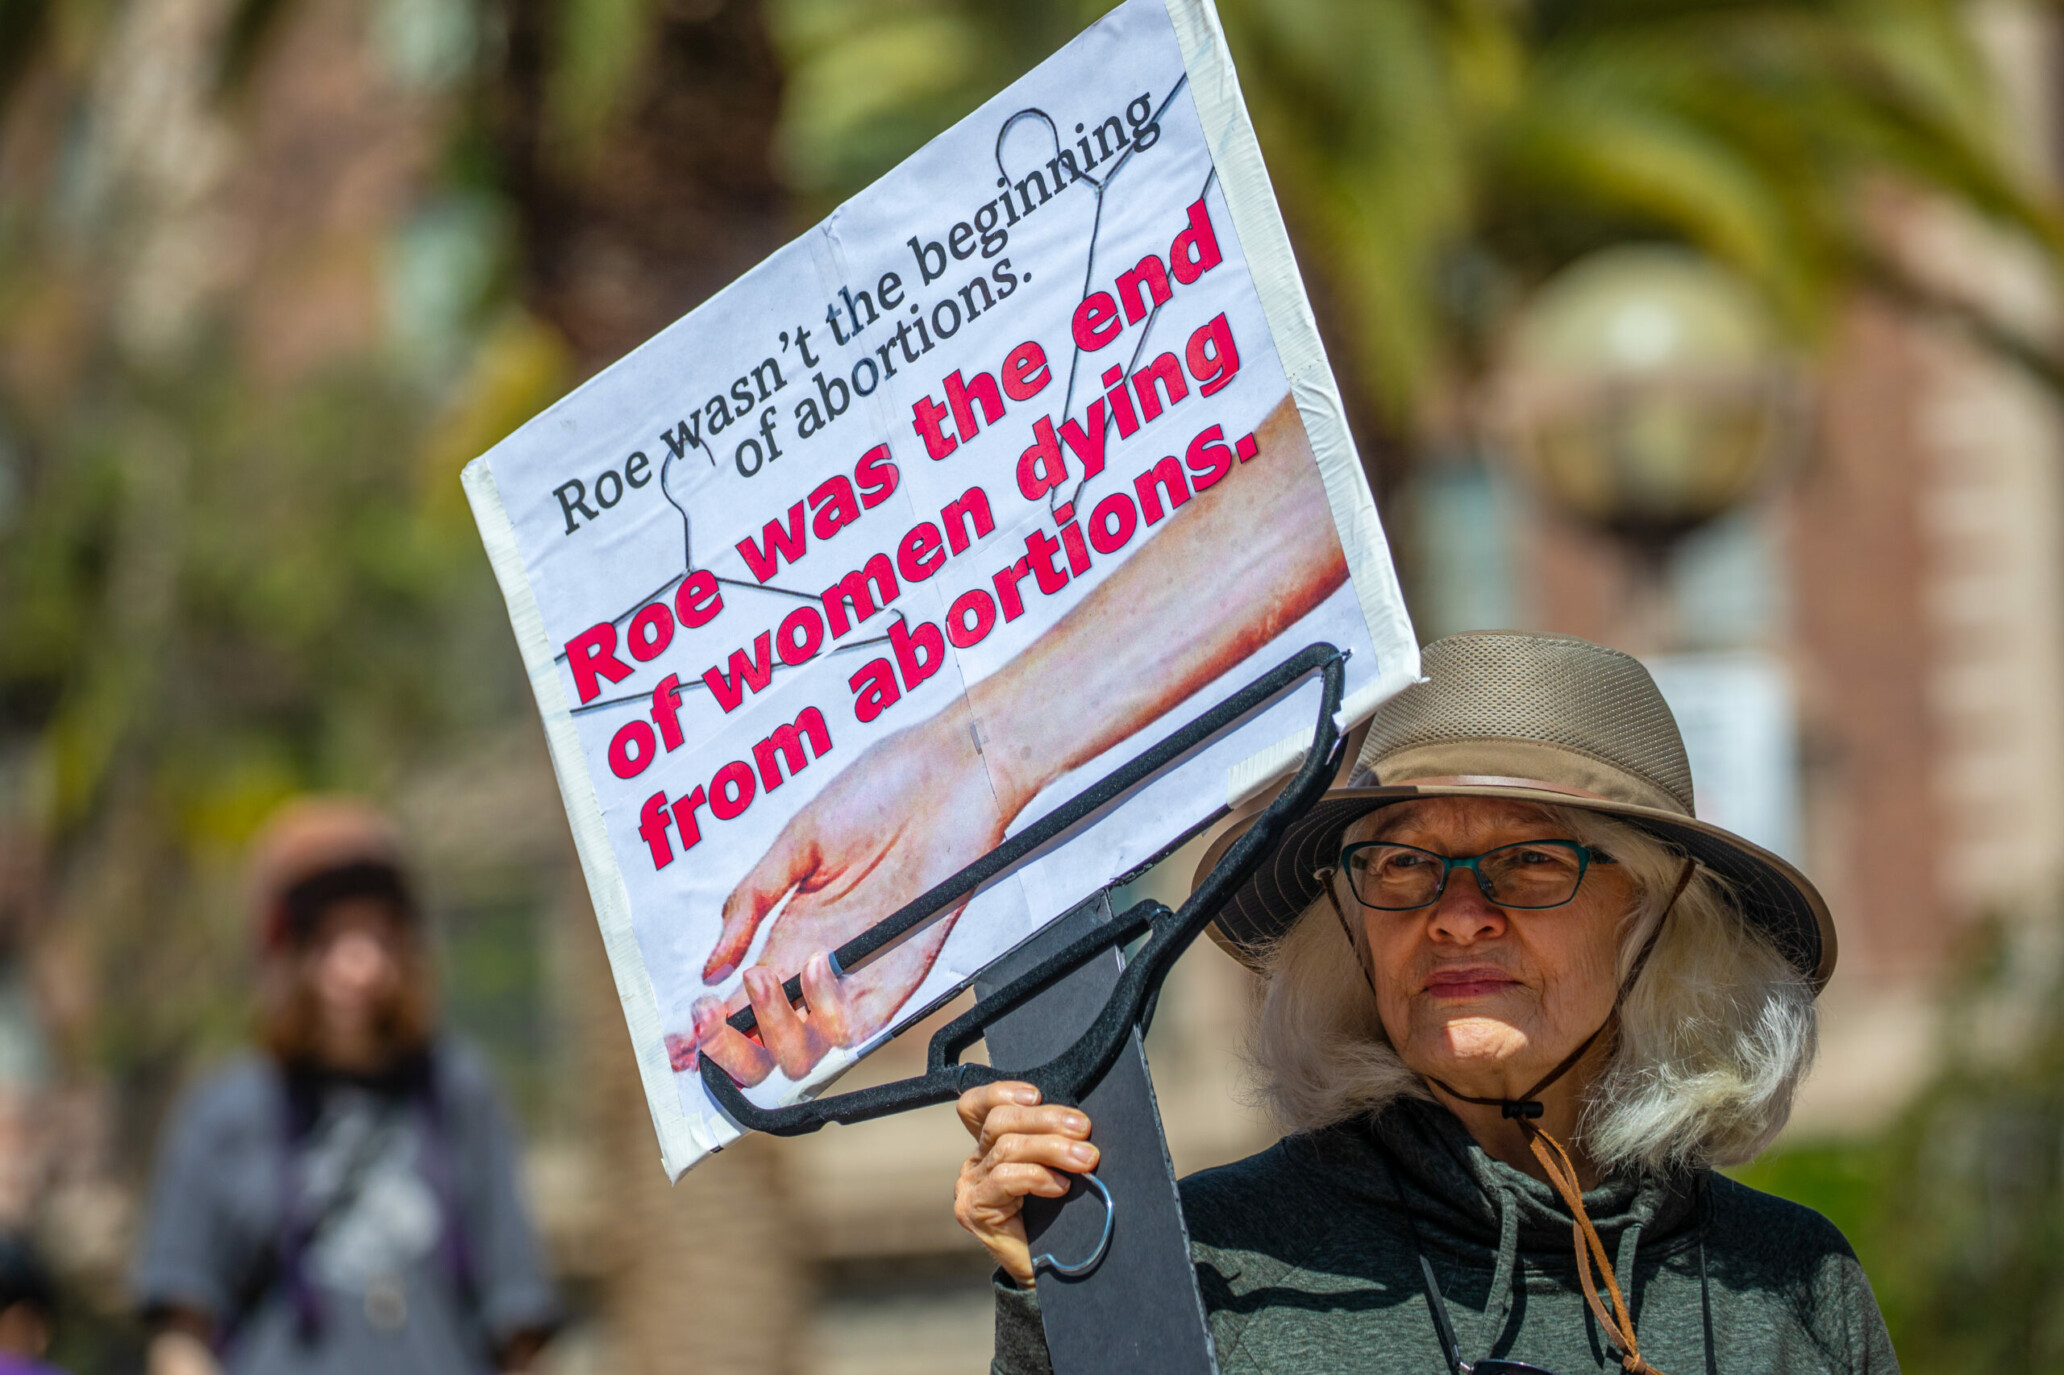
(1237, 564)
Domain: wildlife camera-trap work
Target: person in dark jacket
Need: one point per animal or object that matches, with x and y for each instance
(1520, 1004)
(346, 1200)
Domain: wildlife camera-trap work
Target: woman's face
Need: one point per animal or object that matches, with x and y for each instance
(354, 968)
(1487, 998)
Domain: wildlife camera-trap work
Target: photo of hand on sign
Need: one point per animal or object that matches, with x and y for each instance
(1239, 564)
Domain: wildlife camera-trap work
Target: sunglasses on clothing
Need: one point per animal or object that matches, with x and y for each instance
(1452, 1349)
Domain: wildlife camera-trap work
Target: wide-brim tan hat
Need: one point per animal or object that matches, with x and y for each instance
(1550, 719)
(310, 838)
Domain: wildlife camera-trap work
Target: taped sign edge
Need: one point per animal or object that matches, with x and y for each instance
(681, 1143)
(1258, 221)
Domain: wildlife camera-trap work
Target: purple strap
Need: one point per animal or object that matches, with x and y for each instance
(301, 1102)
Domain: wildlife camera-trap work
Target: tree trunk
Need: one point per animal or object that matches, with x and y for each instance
(706, 1275)
(624, 232)
(621, 233)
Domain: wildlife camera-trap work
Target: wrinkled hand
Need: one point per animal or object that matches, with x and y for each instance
(1021, 1147)
(911, 811)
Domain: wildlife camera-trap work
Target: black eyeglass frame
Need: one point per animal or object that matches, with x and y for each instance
(1586, 856)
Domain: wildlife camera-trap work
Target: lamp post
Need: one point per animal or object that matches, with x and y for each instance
(1643, 392)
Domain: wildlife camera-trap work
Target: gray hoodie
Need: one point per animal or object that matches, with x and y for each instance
(1307, 1255)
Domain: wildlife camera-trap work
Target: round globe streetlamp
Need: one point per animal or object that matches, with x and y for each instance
(1644, 391)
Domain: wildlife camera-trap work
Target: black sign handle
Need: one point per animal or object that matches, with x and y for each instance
(1066, 1076)
(1135, 1307)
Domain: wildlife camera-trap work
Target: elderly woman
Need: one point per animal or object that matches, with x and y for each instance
(1520, 1003)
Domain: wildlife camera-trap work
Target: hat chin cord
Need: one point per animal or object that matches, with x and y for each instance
(1555, 1162)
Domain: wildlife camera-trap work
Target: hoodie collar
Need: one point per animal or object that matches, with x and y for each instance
(1417, 1155)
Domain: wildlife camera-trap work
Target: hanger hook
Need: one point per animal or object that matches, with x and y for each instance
(1089, 1263)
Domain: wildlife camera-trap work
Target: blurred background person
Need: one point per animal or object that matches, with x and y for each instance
(28, 1308)
(344, 1200)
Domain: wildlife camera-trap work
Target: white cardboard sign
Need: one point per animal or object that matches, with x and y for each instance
(1018, 461)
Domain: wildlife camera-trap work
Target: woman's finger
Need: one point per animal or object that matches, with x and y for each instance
(1048, 1119)
(976, 1104)
(787, 863)
(787, 1036)
(826, 998)
(1059, 1152)
(738, 1055)
(999, 1228)
(999, 1193)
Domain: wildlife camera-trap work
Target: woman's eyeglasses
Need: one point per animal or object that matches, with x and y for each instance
(1529, 874)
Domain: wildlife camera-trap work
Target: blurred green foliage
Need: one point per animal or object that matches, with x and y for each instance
(227, 573)
(222, 590)
(1438, 158)
(220, 594)
(1957, 1207)
(870, 82)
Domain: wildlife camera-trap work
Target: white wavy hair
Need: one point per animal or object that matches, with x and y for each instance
(1714, 1036)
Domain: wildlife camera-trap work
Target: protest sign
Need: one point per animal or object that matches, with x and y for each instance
(1018, 461)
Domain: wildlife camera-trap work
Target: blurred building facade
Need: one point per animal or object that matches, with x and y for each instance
(1867, 651)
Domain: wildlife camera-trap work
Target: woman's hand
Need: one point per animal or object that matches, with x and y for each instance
(1021, 1147)
(913, 809)
(910, 812)
(919, 805)
(791, 1040)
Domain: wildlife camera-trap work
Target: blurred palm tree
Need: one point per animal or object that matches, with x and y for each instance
(1437, 158)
